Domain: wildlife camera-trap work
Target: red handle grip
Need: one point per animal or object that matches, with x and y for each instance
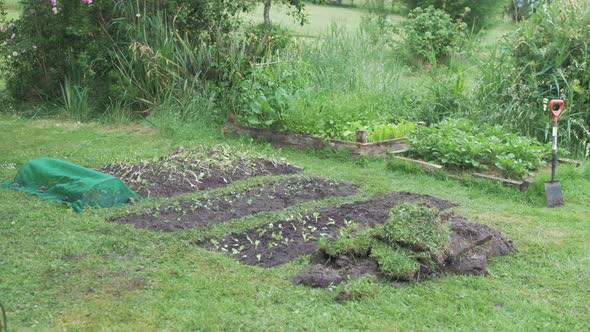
(555, 112)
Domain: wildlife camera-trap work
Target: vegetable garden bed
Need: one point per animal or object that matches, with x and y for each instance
(432, 167)
(220, 208)
(281, 241)
(190, 170)
(361, 147)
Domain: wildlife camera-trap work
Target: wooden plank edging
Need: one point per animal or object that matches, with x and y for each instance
(305, 141)
(430, 167)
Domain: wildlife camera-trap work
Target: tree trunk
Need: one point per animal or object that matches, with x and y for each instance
(267, 4)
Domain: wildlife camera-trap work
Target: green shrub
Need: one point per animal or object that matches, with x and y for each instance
(464, 145)
(431, 34)
(47, 44)
(475, 13)
(98, 46)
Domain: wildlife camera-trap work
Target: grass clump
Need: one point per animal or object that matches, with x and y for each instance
(350, 241)
(405, 166)
(415, 236)
(394, 261)
(416, 227)
(363, 287)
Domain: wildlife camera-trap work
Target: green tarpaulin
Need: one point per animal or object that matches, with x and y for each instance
(74, 185)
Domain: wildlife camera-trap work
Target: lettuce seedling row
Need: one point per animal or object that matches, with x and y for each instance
(191, 170)
(220, 208)
(280, 139)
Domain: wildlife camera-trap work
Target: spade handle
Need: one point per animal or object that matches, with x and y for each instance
(556, 112)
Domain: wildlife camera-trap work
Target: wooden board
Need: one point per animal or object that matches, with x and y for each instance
(430, 167)
(520, 185)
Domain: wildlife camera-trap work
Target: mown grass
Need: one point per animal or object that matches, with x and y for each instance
(319, 18)
(62, 270)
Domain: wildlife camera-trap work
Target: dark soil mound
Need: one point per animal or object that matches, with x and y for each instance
(187, 171)
(211, 210)
(279, 242)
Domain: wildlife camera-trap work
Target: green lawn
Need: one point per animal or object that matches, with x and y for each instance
(320, 18)
(12, 8)
(61, 270)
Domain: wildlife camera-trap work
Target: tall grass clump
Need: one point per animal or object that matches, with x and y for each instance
(76, 100)
(547, 57)
(201, 77)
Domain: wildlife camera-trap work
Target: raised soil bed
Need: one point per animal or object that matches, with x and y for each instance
(186, 171)
(220, 208)
(299, 141)
(279, 242)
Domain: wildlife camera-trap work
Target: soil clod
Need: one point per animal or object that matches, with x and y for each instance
(318, 276)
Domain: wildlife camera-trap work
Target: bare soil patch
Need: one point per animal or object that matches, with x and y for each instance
(186, 171)
(216, 209)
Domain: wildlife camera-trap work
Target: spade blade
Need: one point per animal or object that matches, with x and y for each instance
(553, 194)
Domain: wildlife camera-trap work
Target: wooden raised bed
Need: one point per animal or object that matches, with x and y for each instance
(278, 138)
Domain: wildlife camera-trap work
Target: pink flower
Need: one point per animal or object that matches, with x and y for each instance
(2, 28)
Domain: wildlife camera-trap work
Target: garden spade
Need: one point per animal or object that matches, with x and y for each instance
(553, 194)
